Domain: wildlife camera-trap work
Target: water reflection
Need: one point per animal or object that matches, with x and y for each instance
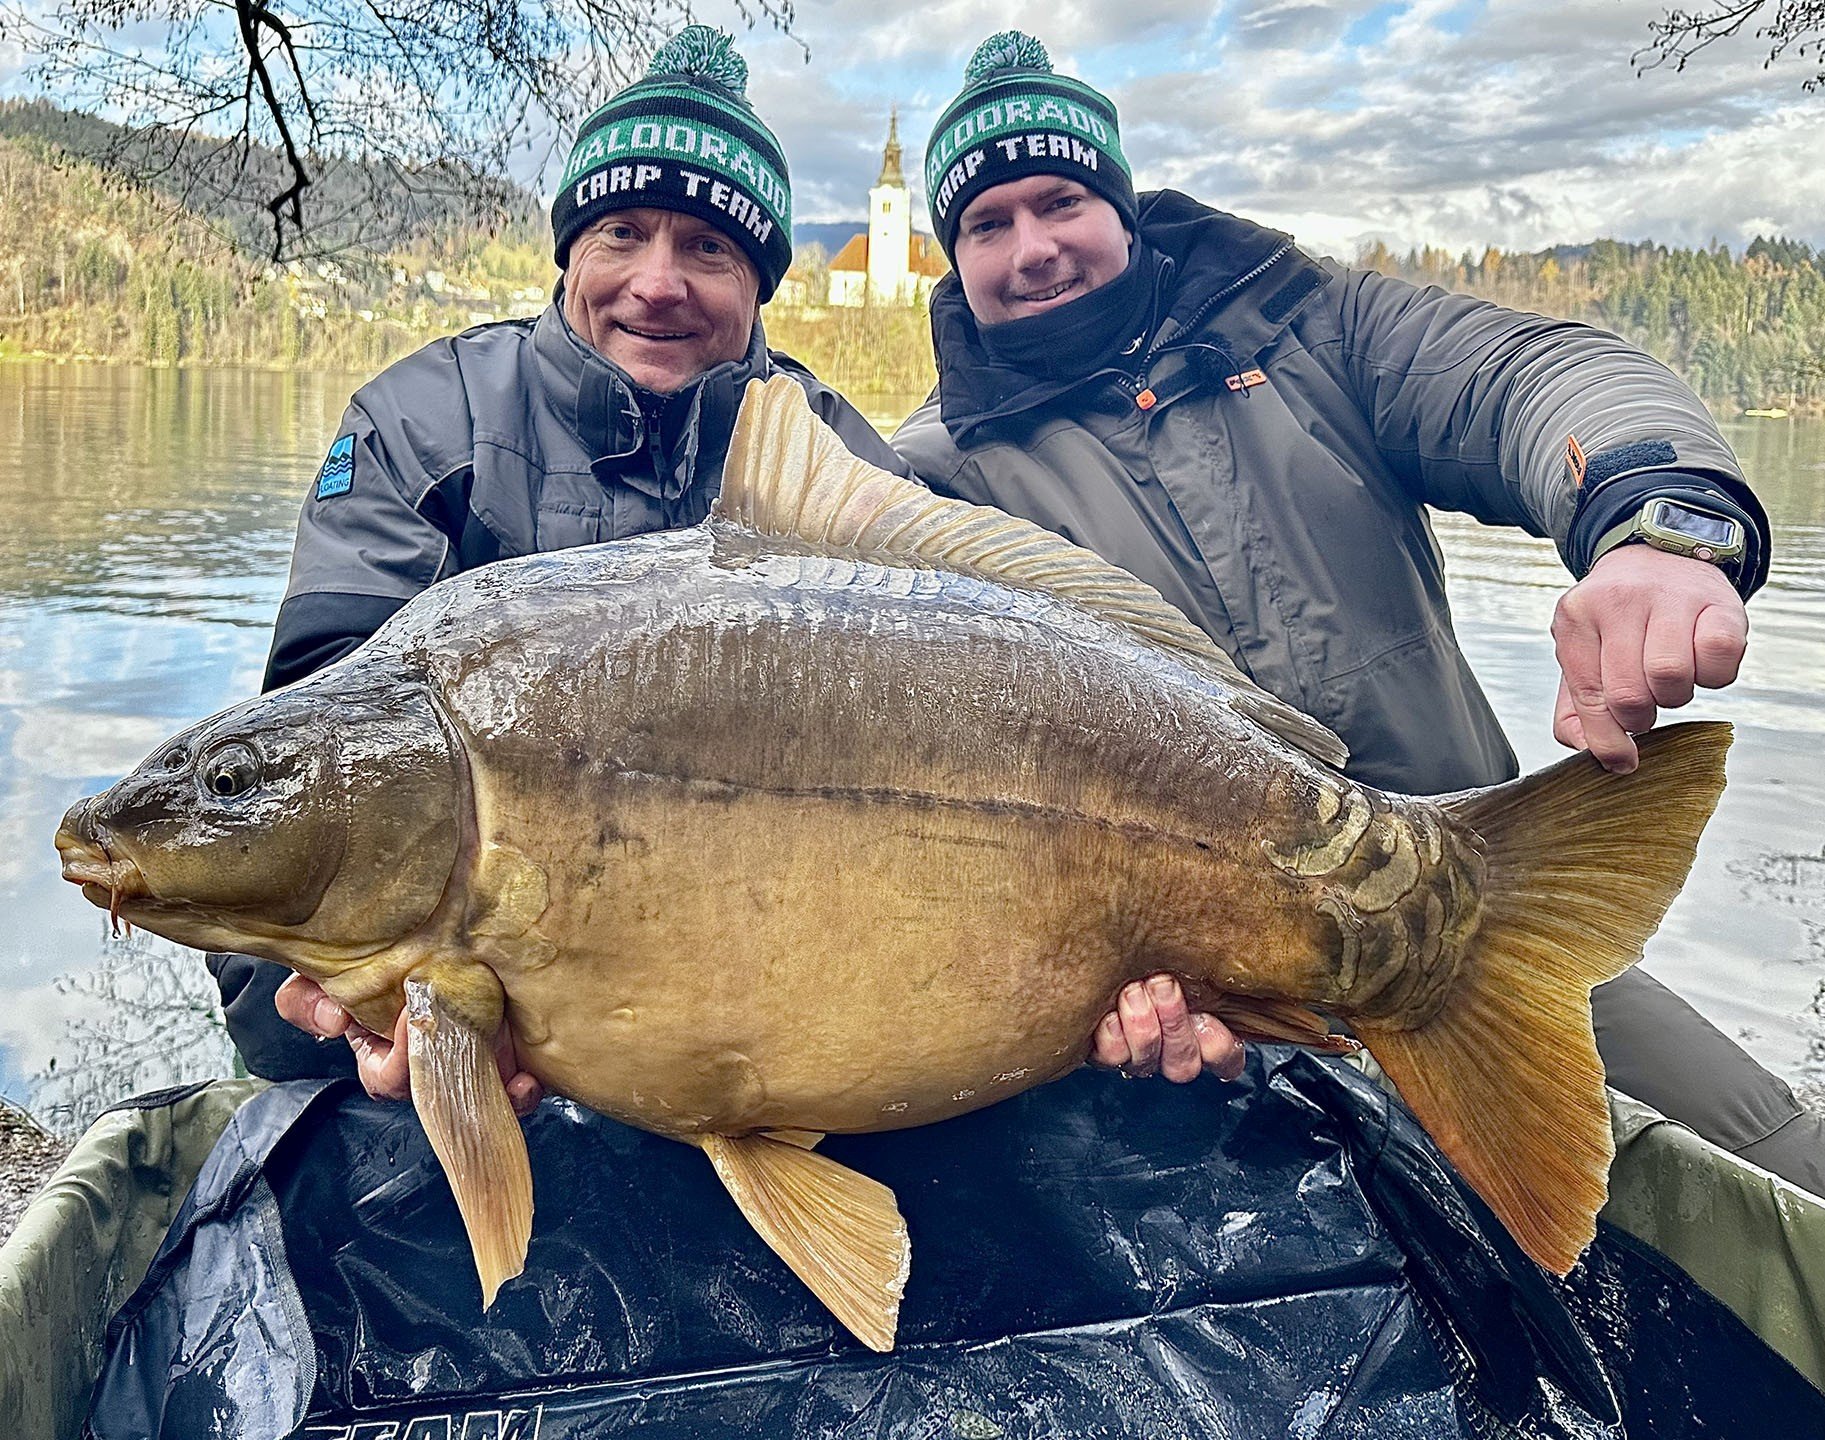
(145, 529)
(145, 525)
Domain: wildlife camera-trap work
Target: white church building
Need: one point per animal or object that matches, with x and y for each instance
(891, 264)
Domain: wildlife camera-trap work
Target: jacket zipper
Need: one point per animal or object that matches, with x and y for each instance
(1144, 397)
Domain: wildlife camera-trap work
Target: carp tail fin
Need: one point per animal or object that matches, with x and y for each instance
(463, 1105)
(839, 1231)
(1581, 866)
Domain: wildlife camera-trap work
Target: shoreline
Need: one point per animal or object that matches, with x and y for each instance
(29, 1154)
(1792, 410)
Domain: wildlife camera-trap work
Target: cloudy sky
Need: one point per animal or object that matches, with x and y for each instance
(1519, 123)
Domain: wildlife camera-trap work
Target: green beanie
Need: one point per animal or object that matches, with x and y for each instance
(684, 137)
(1016, 118)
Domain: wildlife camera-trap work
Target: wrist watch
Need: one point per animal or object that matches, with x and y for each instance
(1679, 528)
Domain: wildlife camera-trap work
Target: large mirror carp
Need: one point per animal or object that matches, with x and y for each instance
(853, 809)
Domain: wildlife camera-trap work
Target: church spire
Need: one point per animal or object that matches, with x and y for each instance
(891, 173)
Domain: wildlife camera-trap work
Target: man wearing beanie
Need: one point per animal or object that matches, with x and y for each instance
(1258, 435)
(607, 416)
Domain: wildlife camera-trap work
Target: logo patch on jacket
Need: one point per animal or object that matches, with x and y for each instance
(337, 476)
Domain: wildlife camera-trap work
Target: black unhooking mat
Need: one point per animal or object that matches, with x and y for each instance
(1283, 1256)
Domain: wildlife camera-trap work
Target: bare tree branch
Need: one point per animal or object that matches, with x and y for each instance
(286, 109)
(1795, 27)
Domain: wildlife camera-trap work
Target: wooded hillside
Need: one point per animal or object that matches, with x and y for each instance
(1743, 332)
(93, 266)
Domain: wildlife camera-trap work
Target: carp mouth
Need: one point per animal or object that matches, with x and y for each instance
(107, 881)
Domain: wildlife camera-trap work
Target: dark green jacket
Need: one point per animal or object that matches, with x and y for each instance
(1287, 514)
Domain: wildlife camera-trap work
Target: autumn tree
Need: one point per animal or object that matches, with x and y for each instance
(344, 121)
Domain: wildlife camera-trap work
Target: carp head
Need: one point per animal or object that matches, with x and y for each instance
(319, 823)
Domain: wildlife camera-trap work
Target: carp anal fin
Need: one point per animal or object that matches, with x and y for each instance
(789, 476)
(839, 1231)
(1581, 865)
(462, 1103)
(1276, 1021)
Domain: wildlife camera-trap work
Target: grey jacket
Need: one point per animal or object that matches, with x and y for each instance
(1266, 456)
(509, 439)
(505, 440)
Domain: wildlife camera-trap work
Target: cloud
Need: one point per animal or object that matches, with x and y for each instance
(1290, 24)
(80, 744)
(1522, 124)
(1517, 122)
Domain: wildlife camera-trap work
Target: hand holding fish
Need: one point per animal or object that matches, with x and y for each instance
(380, 1060)
(1153, 1032)
(1636, 635)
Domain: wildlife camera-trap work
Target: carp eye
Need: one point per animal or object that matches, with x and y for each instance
(233, 770)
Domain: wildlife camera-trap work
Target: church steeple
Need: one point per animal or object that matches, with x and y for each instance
(891, 174)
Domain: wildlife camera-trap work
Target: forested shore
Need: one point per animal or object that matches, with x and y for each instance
(94, 267)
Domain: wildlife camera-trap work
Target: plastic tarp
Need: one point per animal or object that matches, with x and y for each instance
(1283, 1256)
(85, 1241)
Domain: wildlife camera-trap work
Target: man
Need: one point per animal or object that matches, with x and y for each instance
(606, 417)
(1257, 435)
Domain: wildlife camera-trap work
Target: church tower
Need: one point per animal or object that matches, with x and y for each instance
(890, 226)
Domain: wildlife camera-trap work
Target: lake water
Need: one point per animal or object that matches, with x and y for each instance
(145, 528)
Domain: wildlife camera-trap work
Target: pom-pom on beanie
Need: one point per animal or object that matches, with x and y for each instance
(684, 137)
(1016, 118)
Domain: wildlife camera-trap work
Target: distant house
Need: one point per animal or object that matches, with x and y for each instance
(890, 265)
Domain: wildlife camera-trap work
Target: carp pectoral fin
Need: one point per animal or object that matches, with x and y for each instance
(463, 1105)
(1257, 1017)
(839, 1231)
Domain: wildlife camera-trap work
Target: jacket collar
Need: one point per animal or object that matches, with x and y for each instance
(1210, 257)
(658, 444)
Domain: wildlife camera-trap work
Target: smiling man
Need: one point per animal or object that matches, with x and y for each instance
(607, 416)
(1258, 435)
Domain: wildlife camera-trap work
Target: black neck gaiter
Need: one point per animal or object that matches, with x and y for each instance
(1089, 334)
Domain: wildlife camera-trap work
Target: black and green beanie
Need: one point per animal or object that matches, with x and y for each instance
(684, 137)
(1016, 118)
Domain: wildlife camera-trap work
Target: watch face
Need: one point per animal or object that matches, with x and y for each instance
(1699, 525)
(1712, 530)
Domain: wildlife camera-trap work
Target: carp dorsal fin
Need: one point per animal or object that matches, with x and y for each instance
(788, 476)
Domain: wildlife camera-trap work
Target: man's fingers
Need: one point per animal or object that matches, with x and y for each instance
(1219, 1049)
(1667, 658)
(524, 1093)
(1568, 730)
(523, 1088)
(1720, 638)
(1109, 1047)
(1180, 1059)
(302, 1002)
(1141, 1029)
(382, 1065)
(1626, 692)
(1581, 660)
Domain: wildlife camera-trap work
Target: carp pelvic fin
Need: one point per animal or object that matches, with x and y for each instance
(788, 476)
(1582, 864)
(804, 1139)
(839, 1231)
(462, 1103)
